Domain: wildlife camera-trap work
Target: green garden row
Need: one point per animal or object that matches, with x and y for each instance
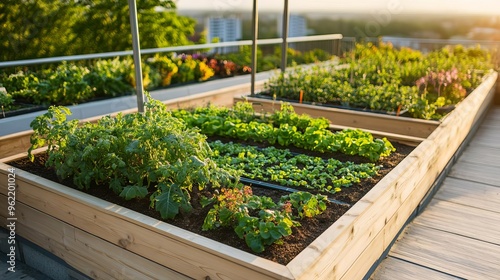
(70, 83)
(285, 128)
(387, 79)
(282, 167)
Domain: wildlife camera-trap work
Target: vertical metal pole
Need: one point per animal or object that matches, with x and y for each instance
(255, 32)
(339, 47)
(139, 88)
(284, 35)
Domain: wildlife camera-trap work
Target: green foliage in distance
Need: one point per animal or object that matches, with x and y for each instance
(105, 26)
(34, 29)
(45, 28)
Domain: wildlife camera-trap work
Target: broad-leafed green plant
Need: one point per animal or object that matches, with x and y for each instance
(136, 155)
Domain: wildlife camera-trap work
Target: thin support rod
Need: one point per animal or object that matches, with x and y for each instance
(139, 88)
(284, 35)
(255, 32)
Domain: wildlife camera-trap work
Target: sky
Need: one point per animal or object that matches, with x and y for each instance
(491, 7)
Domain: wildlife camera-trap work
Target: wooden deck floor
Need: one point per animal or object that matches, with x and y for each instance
(458, 235)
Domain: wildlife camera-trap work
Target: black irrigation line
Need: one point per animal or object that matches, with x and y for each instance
(281, 188)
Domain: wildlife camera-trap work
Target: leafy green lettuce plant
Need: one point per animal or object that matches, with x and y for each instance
(285, 128)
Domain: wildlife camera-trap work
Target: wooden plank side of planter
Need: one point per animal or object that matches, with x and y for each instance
(356, 241)
(180, 250)
(14, 143)
(380, 122)
(91, 255)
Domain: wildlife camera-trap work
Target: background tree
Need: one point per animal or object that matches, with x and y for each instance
(32, 29)
(45, 28)
(105, 26)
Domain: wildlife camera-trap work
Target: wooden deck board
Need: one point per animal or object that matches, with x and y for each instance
(491, 123)
(402, 270)
(479, 154)
(487, 142)
(493, 114)
(463, 220)
(470, 193)
(488, 131)
(476, 172)
(457, 234)
(450, 253)
(487, 136)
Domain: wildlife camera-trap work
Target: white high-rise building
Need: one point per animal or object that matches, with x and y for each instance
(225, 29)
(297, 26)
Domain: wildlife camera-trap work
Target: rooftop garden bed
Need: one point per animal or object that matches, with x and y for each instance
(383, 79)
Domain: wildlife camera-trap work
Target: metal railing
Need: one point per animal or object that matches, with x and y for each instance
(273, 41)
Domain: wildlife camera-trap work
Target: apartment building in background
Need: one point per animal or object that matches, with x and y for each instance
(226, 29)
(297, 26)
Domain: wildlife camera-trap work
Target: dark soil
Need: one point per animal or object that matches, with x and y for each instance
(302, 236)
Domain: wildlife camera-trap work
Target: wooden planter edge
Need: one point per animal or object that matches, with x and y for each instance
(68, 242)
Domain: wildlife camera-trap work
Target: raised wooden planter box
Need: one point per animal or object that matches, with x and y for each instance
(352, 118)
(104, 240)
